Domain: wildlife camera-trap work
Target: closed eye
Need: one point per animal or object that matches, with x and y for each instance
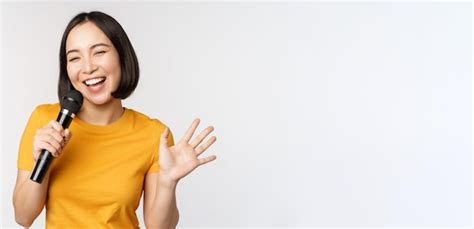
(73, 59)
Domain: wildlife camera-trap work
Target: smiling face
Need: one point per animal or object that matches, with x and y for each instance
(93, 63)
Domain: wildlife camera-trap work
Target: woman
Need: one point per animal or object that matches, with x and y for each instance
(97, 177)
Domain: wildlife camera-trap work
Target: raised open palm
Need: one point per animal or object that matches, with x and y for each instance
(179, 160)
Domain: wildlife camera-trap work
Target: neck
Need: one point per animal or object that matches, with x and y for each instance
(101, 115)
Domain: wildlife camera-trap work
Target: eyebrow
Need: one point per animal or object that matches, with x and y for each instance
(92, 47)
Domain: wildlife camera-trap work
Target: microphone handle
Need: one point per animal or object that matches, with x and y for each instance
(45, 158)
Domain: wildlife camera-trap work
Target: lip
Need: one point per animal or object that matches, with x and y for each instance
(96, 77)
(97, 88)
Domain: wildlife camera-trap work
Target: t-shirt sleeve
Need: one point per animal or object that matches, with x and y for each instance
(155, 166)
(25, 152)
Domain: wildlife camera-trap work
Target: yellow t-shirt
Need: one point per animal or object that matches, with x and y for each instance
(98, 180)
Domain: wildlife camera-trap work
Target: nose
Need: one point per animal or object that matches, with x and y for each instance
(89, 67)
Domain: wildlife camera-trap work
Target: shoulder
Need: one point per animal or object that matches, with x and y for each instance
(46, 112)
(48, 108)
(151, 128)
(143, 120)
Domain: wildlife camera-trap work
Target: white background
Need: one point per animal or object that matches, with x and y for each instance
(327, 114)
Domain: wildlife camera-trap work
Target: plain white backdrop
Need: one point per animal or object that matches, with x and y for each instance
(327, 114)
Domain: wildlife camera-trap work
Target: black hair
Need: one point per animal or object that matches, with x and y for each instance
(130, 72)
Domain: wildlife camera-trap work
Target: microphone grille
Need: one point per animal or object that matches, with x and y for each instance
(72, 101)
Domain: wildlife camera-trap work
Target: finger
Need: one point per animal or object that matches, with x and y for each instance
(206, 160)
(55, 125)
(190, 131)
(205, 146)
(67, 135)
(51, 141)
(201, 136)
(54, 133)
(55, 139)
(164, 138)
(48, 147)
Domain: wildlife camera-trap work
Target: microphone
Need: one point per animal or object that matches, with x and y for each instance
(71, 103)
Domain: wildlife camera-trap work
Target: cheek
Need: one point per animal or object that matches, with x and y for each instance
(72, 72)
(112, 66)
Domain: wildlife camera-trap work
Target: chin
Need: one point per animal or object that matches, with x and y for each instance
(99, 100)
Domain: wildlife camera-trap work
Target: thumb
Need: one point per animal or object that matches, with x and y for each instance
(164, 138)
(67, 135)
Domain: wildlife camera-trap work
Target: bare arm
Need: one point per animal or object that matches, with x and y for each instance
(160, 209)
(29, 197)
(176, 162)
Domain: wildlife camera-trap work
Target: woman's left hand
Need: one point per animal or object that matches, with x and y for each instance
(181, 159)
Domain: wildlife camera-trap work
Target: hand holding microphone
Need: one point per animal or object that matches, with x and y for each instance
(50, 140)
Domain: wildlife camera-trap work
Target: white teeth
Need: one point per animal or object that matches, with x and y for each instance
(94, 81)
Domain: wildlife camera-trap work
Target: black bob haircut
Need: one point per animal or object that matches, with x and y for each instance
(130, 72)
